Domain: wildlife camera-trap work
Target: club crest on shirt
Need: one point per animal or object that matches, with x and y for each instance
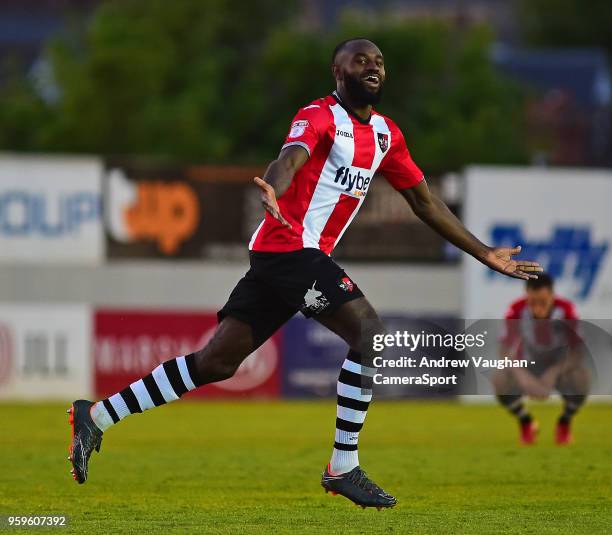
(298, 128)
(383, 141)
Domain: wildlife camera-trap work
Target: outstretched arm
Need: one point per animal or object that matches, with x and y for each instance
(436, 214)
(278, 177)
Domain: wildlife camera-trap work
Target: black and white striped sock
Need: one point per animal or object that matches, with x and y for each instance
(572, 404)
(514, 404)
(354, 396)
(168, 382)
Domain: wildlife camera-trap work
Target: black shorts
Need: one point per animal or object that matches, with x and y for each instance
(280, 284)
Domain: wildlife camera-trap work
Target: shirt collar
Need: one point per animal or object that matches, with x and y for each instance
(349, 111)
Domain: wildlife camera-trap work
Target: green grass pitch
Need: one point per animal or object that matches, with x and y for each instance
(254, 468)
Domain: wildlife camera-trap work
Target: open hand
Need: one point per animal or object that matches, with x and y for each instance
(500, 260)
(268, 199)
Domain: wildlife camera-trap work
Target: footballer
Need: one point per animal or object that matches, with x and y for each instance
(542, 328)
(311, 192)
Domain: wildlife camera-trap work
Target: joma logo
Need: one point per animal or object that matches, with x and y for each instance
(342, 133)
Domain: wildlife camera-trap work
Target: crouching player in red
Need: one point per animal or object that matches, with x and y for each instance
(541, 328)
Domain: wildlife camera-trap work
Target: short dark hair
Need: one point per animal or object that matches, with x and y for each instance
(544, 280)
(342, 44)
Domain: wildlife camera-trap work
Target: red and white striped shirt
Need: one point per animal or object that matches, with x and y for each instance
(328, 190)
(545, 339)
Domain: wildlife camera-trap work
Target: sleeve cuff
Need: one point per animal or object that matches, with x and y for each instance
(298, 143)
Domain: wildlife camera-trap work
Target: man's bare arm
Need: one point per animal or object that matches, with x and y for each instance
(278, 177)
(280, 171)
(530, 384)
(527, 382)
(436, 214)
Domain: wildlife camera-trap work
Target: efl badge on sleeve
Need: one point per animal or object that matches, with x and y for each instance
(298, 128)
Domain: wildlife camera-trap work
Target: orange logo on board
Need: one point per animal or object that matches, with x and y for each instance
(165, 212)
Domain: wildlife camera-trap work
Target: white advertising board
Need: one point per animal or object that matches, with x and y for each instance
(50, 209)
(561, 217)
(45, 351)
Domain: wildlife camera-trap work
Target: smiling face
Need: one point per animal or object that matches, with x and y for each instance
(359, 68)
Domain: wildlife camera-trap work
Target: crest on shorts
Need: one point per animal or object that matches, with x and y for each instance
(383, 141)
(346, 284)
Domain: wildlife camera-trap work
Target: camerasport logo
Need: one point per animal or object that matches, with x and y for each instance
(164, 212)
(6, 353)
(130, 343)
